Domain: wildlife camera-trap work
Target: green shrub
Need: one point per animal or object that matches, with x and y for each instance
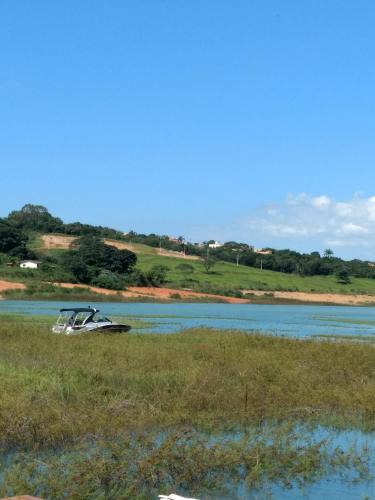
(110, 280)
(157, 275)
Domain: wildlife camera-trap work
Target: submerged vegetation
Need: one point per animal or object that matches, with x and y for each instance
(125, 416)
(139, 466)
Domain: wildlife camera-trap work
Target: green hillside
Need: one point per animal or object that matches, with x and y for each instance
(228, 276)
(223, 277)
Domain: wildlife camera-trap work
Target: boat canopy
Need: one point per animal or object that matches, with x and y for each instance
(80, 309)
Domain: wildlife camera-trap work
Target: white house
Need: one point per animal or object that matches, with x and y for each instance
(215, 244)
(263, 251)
(30, 264)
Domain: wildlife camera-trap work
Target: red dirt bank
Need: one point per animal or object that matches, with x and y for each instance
(158, 293)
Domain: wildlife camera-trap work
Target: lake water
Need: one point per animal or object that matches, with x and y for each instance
(299, 321)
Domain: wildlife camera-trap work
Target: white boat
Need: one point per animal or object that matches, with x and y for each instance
(85, 320)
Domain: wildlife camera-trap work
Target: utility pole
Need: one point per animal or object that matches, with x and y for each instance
(261, 264)
(237, 250)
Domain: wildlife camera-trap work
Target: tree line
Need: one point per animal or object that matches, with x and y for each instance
(285, 261)
(89, 260)
(16, 228)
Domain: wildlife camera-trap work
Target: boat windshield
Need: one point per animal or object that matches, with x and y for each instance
(63, 318)
(81, 317)
(98, 318)
(71, 318)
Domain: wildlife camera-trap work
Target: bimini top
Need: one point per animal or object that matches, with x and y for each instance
(80, 309)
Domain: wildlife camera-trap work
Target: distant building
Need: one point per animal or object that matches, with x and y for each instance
(215, 244)
(30, 264)
(262, 251)
(172, 239)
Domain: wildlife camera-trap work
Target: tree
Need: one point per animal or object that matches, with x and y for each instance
(208, 262)
(10, 237)
(88, 257)
(73, 263)
(136, 278)
(157, 275)
(22, 252)
(107, 279)
(343, 276)
(328, 253)
(95, 253)
(35, 218)
(315, 254)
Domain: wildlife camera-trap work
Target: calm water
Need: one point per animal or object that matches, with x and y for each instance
(286, 320)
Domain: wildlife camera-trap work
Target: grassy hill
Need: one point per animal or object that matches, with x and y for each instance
(228, 276)
(223, 277)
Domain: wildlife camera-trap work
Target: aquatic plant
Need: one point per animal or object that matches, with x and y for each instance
(138, 466)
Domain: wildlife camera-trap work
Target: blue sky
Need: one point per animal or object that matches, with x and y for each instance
(248, 120)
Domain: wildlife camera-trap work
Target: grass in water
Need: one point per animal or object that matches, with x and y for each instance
(141, 466)
(350, 321)
(343, 338)
(57, 388)
(109, 416)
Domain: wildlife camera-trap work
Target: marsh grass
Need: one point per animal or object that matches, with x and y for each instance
(56, 389)
(129, 415)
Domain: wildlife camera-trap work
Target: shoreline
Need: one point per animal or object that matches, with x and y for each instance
(168, 295)
(320, 297)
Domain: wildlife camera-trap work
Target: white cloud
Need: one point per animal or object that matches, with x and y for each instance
(350, 228)
(308, 223)
(321, 202)
(311, 222)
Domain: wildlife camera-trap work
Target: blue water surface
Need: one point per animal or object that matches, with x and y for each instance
(300, 321)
